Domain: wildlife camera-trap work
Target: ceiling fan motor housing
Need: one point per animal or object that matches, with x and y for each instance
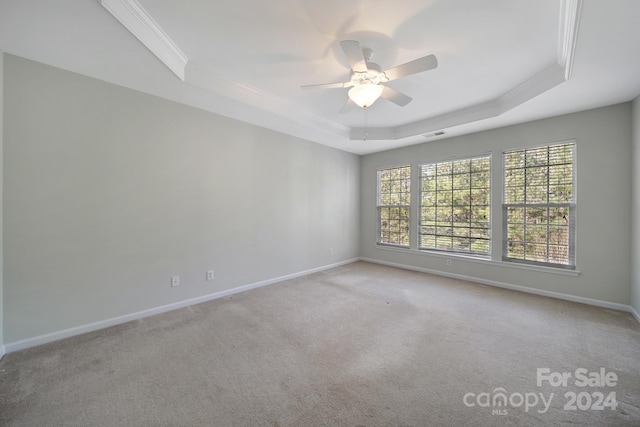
(366, 81)
(373, 75)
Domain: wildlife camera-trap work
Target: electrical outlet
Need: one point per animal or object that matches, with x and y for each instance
(210, 275)
(449, 263)
(175, 281)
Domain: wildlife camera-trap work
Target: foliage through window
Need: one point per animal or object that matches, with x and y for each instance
(455, 206)
(394, 205)
(539, 205)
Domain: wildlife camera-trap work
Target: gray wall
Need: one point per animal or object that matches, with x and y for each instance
(2, 350)
(110, 192)
(635, 284)
(603, 196)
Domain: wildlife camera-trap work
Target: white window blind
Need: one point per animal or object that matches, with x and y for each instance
(394, 206)
(539, 205)
(455, 206)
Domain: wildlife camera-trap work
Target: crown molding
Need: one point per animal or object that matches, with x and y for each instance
(136, 19)
(568, 34)
(133, 17)
(207, 79)
(541, 82)
(547, 79)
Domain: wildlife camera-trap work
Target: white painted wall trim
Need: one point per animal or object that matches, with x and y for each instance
(210, 80)
(66, 333)
(557, 295)
(478, 260)
(546, 79)
(138, 21)
(568, 31)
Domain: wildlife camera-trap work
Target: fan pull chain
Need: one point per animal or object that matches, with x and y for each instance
(366, 134)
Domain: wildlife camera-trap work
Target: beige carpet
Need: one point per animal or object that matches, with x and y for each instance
(359, 345)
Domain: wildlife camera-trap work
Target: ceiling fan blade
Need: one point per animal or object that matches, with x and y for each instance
(419, 65)
(324, 86)
(348, 106)
(354, 54)
(396, 97)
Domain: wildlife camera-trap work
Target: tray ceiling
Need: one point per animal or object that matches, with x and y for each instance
(500, 61)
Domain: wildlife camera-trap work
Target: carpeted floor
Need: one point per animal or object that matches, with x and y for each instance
(359, 345)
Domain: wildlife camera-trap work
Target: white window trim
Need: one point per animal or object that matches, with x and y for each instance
(572, 212)
(496, 212)
(378, 205)
(490, 219)
(482, 260)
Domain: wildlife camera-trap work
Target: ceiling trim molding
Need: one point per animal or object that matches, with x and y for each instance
(568, 33)
(543, 81)
(133, 17)
(547, 79)
(207, 79)
(138, 21)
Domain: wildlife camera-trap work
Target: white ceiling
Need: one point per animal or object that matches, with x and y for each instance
(500, 61)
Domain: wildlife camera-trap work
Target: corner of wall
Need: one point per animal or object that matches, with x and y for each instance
(635, 225)
(2, 349)
(609, 249)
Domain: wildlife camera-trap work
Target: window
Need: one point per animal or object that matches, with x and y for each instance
(539, 206)
(455, 206)
(394, 203)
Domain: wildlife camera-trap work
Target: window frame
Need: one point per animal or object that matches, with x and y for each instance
(488, 220)
(407, 207)
(570, 205)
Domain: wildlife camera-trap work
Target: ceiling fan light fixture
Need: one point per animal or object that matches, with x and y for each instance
(365, 94)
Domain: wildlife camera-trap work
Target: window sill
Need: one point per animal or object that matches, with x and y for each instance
(480, 260)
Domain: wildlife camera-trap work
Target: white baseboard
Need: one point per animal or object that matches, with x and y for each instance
(66, 333)
(557, 295)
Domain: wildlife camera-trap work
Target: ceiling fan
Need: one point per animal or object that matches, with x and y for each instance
(367, 78)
